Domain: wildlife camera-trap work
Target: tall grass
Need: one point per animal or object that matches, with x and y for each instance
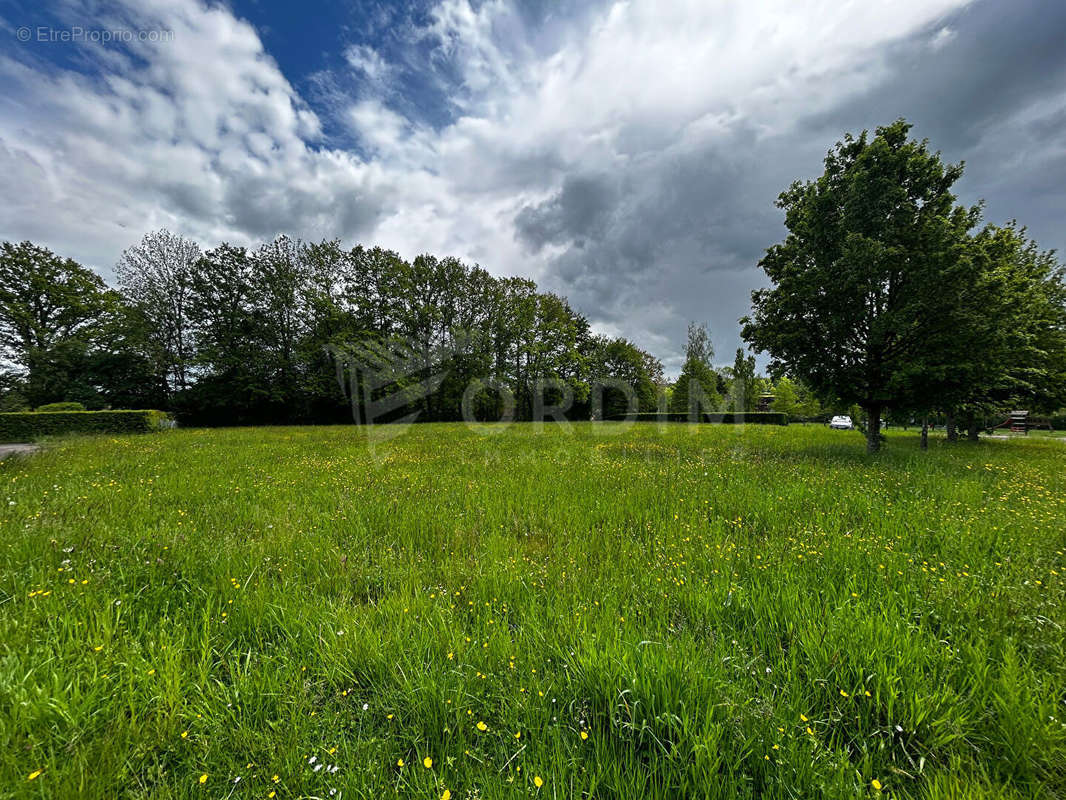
(591, 611)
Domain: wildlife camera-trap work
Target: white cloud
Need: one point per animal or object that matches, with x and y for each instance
(368, 61)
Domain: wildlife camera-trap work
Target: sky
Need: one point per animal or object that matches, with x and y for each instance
(626, 154)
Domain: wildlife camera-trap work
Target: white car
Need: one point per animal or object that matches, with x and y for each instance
(841, 423)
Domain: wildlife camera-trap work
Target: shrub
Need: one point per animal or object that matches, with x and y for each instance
(27, 426)
(61, 407)
(724, 418)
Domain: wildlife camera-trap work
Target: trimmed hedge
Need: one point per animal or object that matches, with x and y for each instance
(26, 426)
(65, 406)
(726, 418)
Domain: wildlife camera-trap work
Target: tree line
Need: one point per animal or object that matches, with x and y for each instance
(250, 336)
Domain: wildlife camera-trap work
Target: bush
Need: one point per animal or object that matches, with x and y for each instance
(1058, 422)
(27, 426)
(61, 407)
(725, 418)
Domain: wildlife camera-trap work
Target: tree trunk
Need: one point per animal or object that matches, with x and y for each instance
(925, 433)
(971, 426)
(950, 428)
(873, 429)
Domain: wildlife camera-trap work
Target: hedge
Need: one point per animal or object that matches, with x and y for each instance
(726, 418)
(65, 406)
(26, 426)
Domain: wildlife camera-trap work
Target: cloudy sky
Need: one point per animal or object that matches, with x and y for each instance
(625, 154)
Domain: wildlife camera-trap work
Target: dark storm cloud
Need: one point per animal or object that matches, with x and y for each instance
(980, 85)
(686, 233)
(581, 209)
(983, 96)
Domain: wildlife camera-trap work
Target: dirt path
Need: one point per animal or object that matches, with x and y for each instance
(11, 449)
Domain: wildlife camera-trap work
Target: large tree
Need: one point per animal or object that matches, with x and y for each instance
(51, 309)
(862, 281)
(233, 384)
(1010, 312)
(155, 276)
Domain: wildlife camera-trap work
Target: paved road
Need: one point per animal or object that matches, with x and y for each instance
(11, 449)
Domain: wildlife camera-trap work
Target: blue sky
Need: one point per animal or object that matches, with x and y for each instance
(624, 153)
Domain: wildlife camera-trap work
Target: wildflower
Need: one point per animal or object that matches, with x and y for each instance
(803, 718)
(184, 734)
(34, 775)
(275, 778)
(518, 734)
(810, 731)
(446, 795)
(538, 781)
(843, 693)
(203, 778)
(876, 784)
(427, 762)
(399, 762)
(481, 726)
(584, 735)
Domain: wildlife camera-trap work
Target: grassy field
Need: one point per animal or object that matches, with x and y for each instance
(610, 613)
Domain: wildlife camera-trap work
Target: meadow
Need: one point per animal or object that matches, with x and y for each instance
(596, 611)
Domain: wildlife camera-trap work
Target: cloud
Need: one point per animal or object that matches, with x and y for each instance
(202, 134)
(368, 61)
(580, 209)
(626, 154)
(941, 38)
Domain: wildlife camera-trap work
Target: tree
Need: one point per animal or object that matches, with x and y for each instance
(860, 284)
(786, 397)
(121, 369)
(743, 385)
(1011, 314)
(696, 389)
(156, 278)
(233, 386)
(50, 311)
(282, 278)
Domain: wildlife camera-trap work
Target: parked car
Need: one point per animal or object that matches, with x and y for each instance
(841, 423)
